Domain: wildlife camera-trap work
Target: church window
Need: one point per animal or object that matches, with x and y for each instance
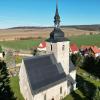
(51, 47)
(60, 90)
(63, 47)
(45, 97)
(52, 99)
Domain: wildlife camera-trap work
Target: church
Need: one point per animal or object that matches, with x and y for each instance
(51, 76)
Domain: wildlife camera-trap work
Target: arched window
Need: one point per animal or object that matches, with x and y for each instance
(63, 47)
(60, 90)
(51, 47)
(52, 99)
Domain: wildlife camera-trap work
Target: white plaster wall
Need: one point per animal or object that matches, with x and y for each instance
(97, 54)
(53, 92)
(1, 55)
(41, 49)
(24, 85)
(73, 74)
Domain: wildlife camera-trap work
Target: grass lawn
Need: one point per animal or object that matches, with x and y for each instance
(91, 84)
(14, 84)
(20, 44)
(86, 40)
(77, 95)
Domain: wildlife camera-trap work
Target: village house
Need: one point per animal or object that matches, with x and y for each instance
(42, 46)
(84, 50)
(90, 50)
(51, 76)
(74, 49)
(94, 51)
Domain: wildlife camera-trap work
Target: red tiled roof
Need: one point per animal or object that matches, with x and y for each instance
(74, 47)
(42, 45)
(95, 49)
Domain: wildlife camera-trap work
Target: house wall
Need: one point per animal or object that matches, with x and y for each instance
(41, 49)
(97, 54)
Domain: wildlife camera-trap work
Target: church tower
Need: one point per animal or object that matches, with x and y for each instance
(58, 44)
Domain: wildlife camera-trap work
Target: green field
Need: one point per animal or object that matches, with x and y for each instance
(20, 44)
(27, 44)
(86, 40)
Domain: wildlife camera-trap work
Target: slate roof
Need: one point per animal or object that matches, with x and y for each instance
(71, 66)
(43, 73)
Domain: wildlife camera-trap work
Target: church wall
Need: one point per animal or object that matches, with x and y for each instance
(24, 85)
(53, 93)
(73, 74)
(61, 55)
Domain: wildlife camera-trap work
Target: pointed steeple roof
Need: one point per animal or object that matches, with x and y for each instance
(57, 17)
(57, 35)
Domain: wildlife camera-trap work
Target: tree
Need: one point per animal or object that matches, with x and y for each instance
(35, 52)
(5, 90)
(97, 94)
(77, 59)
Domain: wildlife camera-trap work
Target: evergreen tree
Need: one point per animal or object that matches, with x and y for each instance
(97, 94)
(5, 90)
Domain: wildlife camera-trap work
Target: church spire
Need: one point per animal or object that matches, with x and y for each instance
(57, 35)
(57, 17)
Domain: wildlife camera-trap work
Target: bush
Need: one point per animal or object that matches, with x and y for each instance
(0, 49)
(97, 94)
(92, 65)
(77, 59)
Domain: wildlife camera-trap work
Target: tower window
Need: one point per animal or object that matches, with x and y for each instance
(60, 90)
(51, 47)
(63, 47)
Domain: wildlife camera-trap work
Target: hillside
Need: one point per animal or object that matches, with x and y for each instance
(81, 27)
(86, 27)
(26, 32)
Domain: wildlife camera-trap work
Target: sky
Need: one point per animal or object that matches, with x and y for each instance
(15, 13)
